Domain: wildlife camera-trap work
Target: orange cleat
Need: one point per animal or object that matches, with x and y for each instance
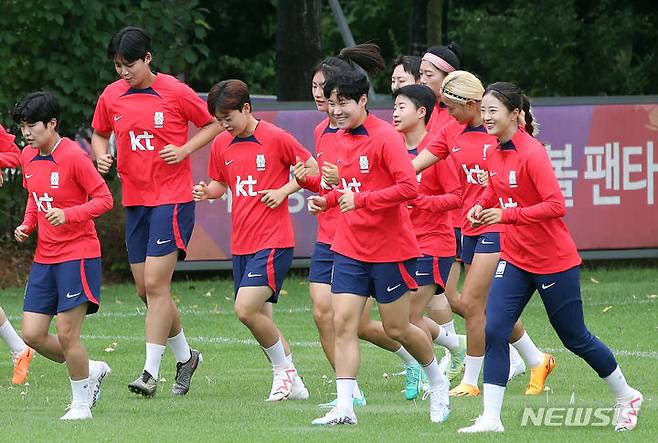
(22, 365)
(539, 374)
(464, 390)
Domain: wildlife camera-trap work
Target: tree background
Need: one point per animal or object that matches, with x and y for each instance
(550, 48)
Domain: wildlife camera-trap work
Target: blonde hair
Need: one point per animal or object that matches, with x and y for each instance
(461, 86)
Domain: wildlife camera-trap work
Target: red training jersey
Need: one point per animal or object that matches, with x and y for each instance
(523, 183)
(373, 163)
(439, 118)
(439, 193)
(468, 147)
(65, 179)
(325, 152)
(10, 155)
(144, 121)
(247, 165)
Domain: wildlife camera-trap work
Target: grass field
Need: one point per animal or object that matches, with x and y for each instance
(226, 399)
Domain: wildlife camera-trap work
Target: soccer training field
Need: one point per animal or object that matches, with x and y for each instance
(226, 402)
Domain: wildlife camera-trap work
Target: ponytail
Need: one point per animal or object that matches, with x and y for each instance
(511, 96)
(365, 55)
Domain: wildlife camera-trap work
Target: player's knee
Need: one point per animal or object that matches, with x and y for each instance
(244, 314)
(66, 336)
(323, 316)
(34, 338)
(396, 331)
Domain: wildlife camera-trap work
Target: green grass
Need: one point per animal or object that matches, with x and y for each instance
(226, 400)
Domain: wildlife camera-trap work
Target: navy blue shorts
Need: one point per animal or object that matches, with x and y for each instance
(267, 267)
(158, 230)
(433, 271)
(322, 263)
(386, 282)
(60, 287)
(458, 240)
(486, 243)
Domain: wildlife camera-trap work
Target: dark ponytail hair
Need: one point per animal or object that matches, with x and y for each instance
(366, 55)
(513, 98)
(452, 53)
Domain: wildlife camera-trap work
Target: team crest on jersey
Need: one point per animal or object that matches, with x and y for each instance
(363, 163)
(260, 162)
(54, 180)
(158, 119)
(512, 179)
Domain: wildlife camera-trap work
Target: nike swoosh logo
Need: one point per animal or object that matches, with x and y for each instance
(69, 295)
(456, 149)
(117, 117)
(320, 153)
(492, 173)
(389, 289)
(228, 162)
(484, 242)
(162, 242)
(543, 286)
(254, 275)
(29, 176)
(421, 274)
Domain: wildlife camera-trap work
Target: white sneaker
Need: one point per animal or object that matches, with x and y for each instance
(77, 412)
(626, 412)
(444, 363)
(516, 363)
(336, 417)
(440, 401)
(483, 424)
(282, 381)
(298, 391)
(98, 370)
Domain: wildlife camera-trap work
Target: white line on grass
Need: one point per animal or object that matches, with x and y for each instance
(316, 344)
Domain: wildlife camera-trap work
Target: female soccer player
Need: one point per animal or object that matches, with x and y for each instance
(374, 245)
(252, 158)
(149, 114)
(436, 64)
(440, 191)
(406, 71)
(10, 157)
(65, 194)
(538, 254)
(468, 143)
(367, 57)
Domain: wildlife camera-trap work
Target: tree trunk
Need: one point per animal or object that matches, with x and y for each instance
(435, 31)
(297, 47)
(418, 28)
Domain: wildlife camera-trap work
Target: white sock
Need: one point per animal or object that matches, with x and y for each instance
(81, 393)
(357, 391)
(179, 347)
(433, 374)
(154, 353)
(617, 384)
(529, 351)
(450, 326)
(405, 356)
(289, 360)
(14, 341)
(277, 355)
(472, 367)
(344, 389)
(445, 338)
(493, 400)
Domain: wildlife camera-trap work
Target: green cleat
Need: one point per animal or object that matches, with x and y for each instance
(414, 381)
(457, 359)
(356, 402)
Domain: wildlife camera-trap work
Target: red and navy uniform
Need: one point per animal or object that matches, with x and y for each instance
(262, 238)
(375, 245)
(322, 259)
(66, 270)
(538, 253)
(468, 146)
(439, 193)
(10, 155)
(144, 121)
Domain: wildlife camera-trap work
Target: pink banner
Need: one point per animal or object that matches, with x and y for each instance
(605, 158)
